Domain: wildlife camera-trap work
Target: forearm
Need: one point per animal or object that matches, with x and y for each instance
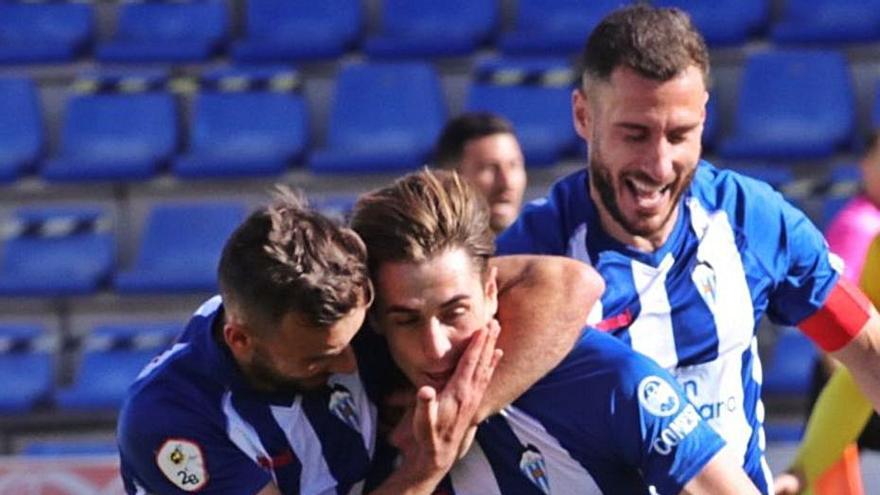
(723, 475)
(861, 357)
(543, 306)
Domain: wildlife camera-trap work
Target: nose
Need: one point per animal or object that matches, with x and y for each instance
(660, 160)
(435, 340)
(345, 362)
(502, 178)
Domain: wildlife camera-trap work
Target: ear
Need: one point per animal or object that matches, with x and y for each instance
(580, 114)
(237, 338)
(491, 290)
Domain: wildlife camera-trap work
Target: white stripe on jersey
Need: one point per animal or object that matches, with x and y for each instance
(316, 476)
(209, 307)
(651, 333)
(473, 474)
(241, 433)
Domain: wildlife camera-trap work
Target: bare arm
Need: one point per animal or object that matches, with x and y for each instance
(861, 357)
(721, 476)
(543, 303)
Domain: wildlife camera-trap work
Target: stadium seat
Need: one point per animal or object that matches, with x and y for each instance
(384, 118)
(844, 182)
(554, 27)
(55, 251)
(71, 447)
(791, 366)
(725, 22)
(21, 128)
(255, 132)
(95, 145)
(166, 32)
(27, 366)
(336, 206)
(112, 357)
(428, 28)
(44, 33)
(535, 95)
(712, 126)
(828, 21)
(286, 30)
(784, 111)
(180, 248)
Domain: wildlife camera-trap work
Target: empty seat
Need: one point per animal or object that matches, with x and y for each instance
(112, 356)
(844, 183)
(791, 366)
(21, 128)
(71, 447)
(27, 366)
(535, 95)
(180, 248)
(56, 251)
(725, 22)
(285, 30)
(427, 28)
(784, 111)
(114, 136)
(256, 132)
(828, 21)
(166, 32)
(384, 118)
(554, 27)
(42, 33)
(336, 206)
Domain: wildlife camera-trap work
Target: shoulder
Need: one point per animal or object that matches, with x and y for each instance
(724, 188)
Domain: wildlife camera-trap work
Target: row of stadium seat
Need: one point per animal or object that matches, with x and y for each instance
(287, 30)
(384, 118)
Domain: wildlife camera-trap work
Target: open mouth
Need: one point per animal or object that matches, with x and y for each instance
(647, 195)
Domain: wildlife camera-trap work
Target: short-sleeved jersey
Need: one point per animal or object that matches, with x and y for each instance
(191, 423)
(606, 420)
(738, 250)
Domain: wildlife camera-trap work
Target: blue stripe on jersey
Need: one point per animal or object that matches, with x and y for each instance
(754, 449)
(284, 463)
(504, 450)
(342, 445)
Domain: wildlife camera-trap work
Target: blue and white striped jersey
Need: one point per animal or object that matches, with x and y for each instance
(606, 420)
(191, 423)
(737, 251)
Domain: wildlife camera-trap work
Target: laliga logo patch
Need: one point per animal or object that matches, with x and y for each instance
(532, 464)
(657, 396)
(342, 406)
(704, 278)
(182, 462)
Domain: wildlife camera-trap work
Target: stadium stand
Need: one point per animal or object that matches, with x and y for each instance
(21, 128)
(844, 182)
(791, 367)
(427, 28)
(827, 21)
(27, 365)
(725, 23)
(41, 33)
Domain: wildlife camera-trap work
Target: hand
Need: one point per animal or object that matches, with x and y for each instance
(431, 435)
(789, 483)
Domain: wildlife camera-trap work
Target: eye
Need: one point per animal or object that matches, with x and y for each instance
(456, 313)
(677, 138)
(404, 321)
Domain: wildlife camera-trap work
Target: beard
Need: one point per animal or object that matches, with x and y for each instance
(604, 182)
(267, 377)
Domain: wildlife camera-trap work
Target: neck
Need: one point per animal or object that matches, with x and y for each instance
(643, 243)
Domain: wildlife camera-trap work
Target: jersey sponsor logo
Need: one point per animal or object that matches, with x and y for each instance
(532, 464)
(708, 410)
(704, 279)
(657, 396)
(343, 407)
(677, 430)
(182, 462)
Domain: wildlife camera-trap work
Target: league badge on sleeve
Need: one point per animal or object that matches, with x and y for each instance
(532, 464)
(182, 462)
(657, 396)
(343, 407)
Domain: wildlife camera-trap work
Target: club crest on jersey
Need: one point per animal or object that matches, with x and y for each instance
(182, 462)
(532, 464)
(704, 279)
(343, 407)
(657, 396)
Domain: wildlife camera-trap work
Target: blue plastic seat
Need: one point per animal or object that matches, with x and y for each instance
(535, 95)
(844, 182)
(167, 32)
(180, 248)
(725, 22)
(554, 27)
(251, 133)
(63, 448)
(43, 33)
(96, 145)
(791, 367)
(57, 251)
(285, 30)
(384, 118)
(784, 111)
(112, 357)
(21, 128)
(27, 366)
(428, 28)
(828, 21)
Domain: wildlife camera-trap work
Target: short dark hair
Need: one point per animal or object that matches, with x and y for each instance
(286, 257)
(421, 215)
(466, 127)
(658, 43)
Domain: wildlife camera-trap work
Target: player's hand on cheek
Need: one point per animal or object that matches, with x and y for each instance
(788, 484)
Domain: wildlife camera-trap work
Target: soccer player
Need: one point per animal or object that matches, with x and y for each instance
(607, 419)
(483, 148)
(262, 393)
(692, 256)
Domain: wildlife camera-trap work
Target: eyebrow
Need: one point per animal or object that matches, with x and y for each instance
(641, 127)
(398, 308)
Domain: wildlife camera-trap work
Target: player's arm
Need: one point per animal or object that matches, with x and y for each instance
(543, 303)
(269, 489)
(721, 476)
